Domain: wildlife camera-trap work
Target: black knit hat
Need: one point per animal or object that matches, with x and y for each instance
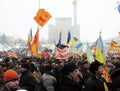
(84, 62)
(47, 68)
(68, 67)
(94, 66)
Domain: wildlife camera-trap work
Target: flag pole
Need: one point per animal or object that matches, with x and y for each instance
(39, 4)
(38, 9)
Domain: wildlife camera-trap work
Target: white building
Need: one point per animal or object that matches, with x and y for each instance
(64, 24)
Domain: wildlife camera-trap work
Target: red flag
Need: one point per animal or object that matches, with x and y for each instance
(61, 53)
(42, 17)
(34, 45)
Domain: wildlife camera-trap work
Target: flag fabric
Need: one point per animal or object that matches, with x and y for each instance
(74, 40)
(34, 45)
(118, 7)
(61, 53)
(114, 45)
(30, 38)
(106, 75)
(94, 44)
(100, 51)
(105, 87)
(59, 41)
(79, 46)
(42, 17)
(89, 54)
(69, 37)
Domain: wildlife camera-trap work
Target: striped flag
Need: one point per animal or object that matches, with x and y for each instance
(89, 54)
(59, 41)
(61, 53)
(30, 38)
(79, 46)
(34, 45)
(100, 51)
(69, 37)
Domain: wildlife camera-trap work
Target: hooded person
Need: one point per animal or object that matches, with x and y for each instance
(96, 82)
(11, 81)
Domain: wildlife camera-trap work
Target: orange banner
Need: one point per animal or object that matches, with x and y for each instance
(42, 17)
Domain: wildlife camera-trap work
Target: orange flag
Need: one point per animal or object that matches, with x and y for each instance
(114, 45)
(29, 40)
(42, 17)
(34, 45)
(106, 75)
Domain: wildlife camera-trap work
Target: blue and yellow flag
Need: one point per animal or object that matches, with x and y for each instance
(100, 51)
(69, 37)
(90, 57)
(79, 46)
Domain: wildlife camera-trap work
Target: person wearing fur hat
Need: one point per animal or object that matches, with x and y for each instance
(96, 82)
(69, 80)
(11, 81)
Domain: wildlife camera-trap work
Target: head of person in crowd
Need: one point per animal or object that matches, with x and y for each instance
(25, 67)
(114, 59)
(61, 63)
(48, 69)
(86, 64)
(109, 63)
(71, 70)
(11, 79)
(84, 56)
(4, 67)
(96, 67)
(117, 65)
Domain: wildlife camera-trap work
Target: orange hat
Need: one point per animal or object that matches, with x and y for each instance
(10, 75)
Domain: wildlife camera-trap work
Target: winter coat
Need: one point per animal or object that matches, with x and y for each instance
(115, 76)
(67, 84)
(48, 82)
(6, 88)
(27, 81)
(95, 84)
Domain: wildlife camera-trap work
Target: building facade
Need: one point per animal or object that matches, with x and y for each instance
(63, 25)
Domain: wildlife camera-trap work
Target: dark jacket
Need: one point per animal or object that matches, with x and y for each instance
(67, 84)
(6, 88)
(95, 84)
(27, 81)
(115, 76)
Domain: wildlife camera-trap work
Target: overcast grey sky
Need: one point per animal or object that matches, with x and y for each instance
(16, 17)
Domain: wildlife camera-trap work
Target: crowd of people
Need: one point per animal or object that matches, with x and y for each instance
(50, 74)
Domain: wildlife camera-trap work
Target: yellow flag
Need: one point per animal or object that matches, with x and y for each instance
(100, 51)
(105, 87)
(99, 55)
